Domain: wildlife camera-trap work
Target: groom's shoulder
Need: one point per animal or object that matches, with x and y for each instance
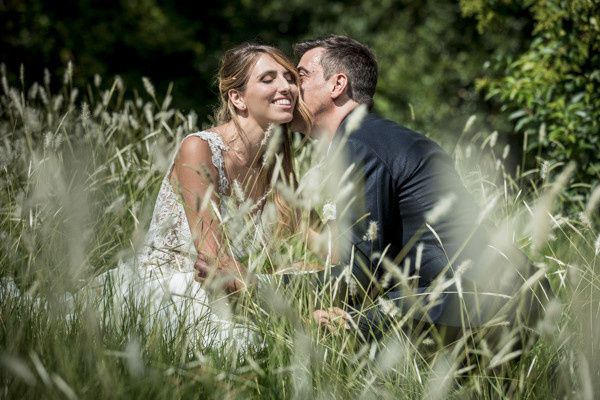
(388, 137)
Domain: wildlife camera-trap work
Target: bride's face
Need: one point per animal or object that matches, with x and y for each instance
(271, 92)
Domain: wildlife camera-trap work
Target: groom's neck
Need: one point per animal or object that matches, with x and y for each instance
(331, 123)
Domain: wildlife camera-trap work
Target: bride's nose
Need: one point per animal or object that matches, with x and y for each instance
(284, 85)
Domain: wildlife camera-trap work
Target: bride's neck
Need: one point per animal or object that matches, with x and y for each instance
(247, 145)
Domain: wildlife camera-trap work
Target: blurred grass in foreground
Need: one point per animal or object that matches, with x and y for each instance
(81, 169)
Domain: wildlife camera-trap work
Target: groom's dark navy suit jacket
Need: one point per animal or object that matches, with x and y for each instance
(403, 176)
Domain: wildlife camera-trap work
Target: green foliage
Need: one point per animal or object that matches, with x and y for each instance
(429, 57)
(166, 41)
(551, 90)
(429, 53)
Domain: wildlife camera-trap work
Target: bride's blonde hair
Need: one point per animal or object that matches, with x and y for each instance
(234, 73)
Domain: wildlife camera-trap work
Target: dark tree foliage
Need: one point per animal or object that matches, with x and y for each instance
(167, 41)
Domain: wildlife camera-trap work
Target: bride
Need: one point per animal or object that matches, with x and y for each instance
(258, 87)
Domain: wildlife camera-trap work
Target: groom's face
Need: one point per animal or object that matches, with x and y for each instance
(314, 88)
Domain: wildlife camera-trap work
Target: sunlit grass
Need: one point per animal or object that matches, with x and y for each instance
(80, 173)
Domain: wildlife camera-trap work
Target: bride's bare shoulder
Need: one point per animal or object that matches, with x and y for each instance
(194, 145)
(195, 154)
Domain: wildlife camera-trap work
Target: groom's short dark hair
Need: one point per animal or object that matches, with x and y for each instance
(356, 60)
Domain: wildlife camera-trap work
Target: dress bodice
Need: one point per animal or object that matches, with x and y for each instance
(168, 242)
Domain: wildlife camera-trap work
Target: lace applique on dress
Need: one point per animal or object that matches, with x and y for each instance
(217, 147)
(161, 281)
(169, 241)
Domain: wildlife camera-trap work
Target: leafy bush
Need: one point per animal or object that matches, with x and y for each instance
(552, 89)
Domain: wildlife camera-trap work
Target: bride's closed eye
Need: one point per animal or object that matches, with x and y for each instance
(270, 78)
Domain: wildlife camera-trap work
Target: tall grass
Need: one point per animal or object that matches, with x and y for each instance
(81, 169)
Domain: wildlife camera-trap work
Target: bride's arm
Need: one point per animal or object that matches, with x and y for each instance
(196, 177)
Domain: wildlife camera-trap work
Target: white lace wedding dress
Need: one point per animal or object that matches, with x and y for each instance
(157, 286)
(160, 280)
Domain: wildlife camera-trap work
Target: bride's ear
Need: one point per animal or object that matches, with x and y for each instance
(237, 100)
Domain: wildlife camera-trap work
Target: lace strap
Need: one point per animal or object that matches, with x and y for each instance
(216, 148)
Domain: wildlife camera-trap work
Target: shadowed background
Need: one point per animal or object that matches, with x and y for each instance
(430, 54)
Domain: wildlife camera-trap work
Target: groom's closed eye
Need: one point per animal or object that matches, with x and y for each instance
(302, 72)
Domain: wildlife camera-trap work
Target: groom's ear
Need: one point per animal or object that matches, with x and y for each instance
(340, 85)
(237, 99)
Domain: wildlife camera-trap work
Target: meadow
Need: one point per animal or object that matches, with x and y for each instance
(81, 167)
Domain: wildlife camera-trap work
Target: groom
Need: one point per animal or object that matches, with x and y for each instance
(425, 223)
